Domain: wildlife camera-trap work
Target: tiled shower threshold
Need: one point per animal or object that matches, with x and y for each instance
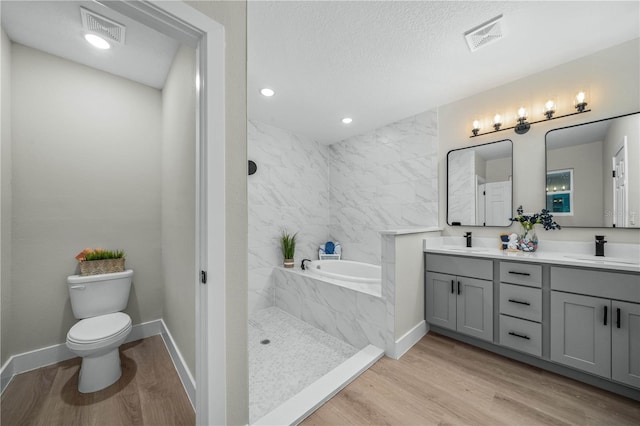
(313, 396)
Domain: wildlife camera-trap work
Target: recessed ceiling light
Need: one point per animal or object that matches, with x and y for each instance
(347, 120)
(97, 41)
(267, 92)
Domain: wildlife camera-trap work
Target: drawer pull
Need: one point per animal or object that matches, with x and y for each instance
(606, 309)
(522, 336)
(519, 302)
(452, 290)
(618, 317)
(526, 274)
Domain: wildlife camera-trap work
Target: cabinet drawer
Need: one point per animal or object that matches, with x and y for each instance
(521, 273)
(462, 266)
(521, 335)
(610, 285)
(522, 302)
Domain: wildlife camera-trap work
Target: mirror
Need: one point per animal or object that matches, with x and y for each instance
(593, 173)
(479, 190)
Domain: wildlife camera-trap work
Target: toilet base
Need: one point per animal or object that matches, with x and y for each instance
(99, 372)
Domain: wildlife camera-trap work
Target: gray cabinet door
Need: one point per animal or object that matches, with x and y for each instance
(581, 332)
(625, 343)
(475, 307)
(440, 299)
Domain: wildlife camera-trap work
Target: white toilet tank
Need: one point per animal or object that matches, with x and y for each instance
(93, 295)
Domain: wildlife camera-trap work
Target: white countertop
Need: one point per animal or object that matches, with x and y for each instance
(618, 257)
(410, 230)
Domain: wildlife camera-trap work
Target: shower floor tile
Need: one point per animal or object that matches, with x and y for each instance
(298, 354)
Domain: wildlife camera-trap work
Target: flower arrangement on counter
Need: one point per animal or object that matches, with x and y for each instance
(528, 241)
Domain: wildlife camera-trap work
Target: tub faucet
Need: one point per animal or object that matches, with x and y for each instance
(467, 235)
(600, 241)
(302, 264)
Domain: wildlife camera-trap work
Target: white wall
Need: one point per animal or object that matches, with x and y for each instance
(614, 89)
(86, 173)
(233, 16)
(384, 179)
(5, 202)
(290, 190)
(178, 202)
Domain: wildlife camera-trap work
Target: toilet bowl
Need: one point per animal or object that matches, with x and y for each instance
(96, 300)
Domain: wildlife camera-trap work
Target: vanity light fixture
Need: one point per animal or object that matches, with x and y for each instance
(267, 92)
(476, 127)
(549, 109)
(347, 120)
(522, 126)
(580, 103)
(497, 122)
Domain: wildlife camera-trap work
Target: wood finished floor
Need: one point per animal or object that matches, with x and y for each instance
(441, 381)
(148, 393)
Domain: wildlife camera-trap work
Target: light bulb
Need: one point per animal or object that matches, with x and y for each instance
(347, 120)
(522, 113)
(580, 97)
(476, 124)
(497, 119)
(549, 105)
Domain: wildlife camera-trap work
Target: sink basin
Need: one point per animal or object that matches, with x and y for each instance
(598, 259)
(465, 249)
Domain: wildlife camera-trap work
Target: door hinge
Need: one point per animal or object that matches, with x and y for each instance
(203, 277)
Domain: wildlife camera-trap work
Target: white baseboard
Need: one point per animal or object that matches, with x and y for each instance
(186, 377)
(38, 358)
(409, 339)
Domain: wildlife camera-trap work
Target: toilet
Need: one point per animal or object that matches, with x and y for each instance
(96, 300)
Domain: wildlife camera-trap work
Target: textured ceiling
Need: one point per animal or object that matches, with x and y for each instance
(55, 27)
(382, 61)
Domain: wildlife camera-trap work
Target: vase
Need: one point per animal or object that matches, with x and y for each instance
(528, 241)
(288, 263)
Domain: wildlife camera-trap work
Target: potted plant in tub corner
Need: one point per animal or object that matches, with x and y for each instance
(99, 261)
(288, 246)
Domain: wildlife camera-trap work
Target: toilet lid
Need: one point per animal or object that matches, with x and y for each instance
(99, 328)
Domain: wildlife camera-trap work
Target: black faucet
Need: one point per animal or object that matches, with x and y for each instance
(302, 264)
(467, 235)
(600, 241)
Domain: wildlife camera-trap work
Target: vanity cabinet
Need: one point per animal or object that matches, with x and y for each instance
(595, 322)
(521, 307)
(459, 295)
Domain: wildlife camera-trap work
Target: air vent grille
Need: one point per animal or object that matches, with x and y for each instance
(98, 24)
(484, 34)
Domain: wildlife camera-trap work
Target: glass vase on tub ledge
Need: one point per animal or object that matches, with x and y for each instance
(528, 239)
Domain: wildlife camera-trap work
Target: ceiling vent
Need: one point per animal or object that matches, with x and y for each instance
(105, 27)
(484, 34)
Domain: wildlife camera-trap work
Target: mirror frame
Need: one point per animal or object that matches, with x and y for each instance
(506, 225)
(546, 168)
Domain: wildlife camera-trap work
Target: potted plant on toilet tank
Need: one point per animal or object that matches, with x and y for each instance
(99, 261)
(288, 246)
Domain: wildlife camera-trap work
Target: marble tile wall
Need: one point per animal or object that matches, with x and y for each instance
(290, 190)
(354, 317)
(383, 179)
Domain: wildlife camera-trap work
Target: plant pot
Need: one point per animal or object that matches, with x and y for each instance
(528, 242)
(289, 263)
(104, 266)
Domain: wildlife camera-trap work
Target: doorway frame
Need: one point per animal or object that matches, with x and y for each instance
(201, 32)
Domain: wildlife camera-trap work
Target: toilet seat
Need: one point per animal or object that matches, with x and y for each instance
(99, 330)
